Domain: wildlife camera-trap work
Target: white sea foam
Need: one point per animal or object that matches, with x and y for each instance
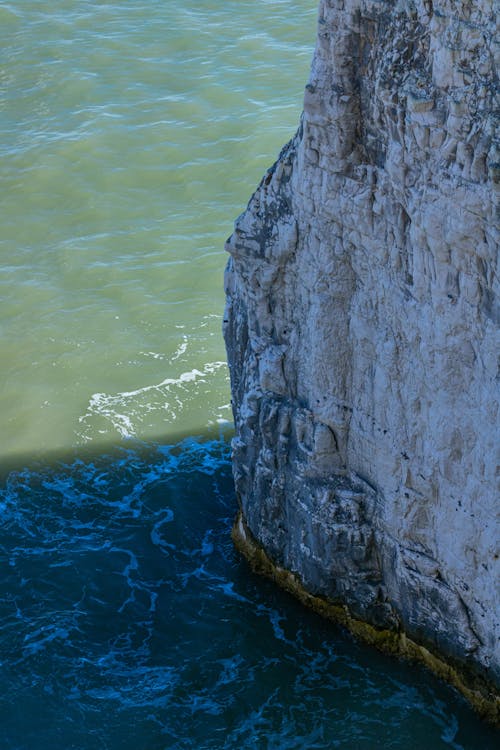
(127, 412)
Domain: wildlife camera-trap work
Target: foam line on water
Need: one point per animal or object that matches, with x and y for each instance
(127, 411)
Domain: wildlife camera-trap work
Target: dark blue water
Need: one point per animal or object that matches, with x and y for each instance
(129, 622)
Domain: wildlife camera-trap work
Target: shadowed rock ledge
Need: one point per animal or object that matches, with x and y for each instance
(362, 330)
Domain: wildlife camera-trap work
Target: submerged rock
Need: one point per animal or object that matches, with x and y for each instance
(362, 329)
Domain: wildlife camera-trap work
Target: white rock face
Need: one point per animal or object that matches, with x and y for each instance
(362, 328)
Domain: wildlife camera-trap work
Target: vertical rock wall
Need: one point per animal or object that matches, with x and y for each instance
(362, 330)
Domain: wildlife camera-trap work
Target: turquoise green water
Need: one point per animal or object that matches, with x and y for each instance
(131, 136)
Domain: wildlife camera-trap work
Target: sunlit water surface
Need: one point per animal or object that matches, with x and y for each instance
(132, 134)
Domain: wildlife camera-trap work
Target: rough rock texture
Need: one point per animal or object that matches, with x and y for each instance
(362, 329)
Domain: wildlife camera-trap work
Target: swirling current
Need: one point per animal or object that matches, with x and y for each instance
(129, 621)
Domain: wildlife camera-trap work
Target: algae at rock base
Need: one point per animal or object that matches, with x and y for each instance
(362, 335)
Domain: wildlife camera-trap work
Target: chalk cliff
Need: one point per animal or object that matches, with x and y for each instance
(362, 329)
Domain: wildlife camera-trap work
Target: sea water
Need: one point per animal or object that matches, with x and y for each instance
(132, 134)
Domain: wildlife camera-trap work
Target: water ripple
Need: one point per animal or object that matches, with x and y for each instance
(128, 620)
(131, 135)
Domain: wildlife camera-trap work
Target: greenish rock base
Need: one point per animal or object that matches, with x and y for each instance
(483, 696)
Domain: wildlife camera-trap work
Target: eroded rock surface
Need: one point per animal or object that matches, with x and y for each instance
(362, 328)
